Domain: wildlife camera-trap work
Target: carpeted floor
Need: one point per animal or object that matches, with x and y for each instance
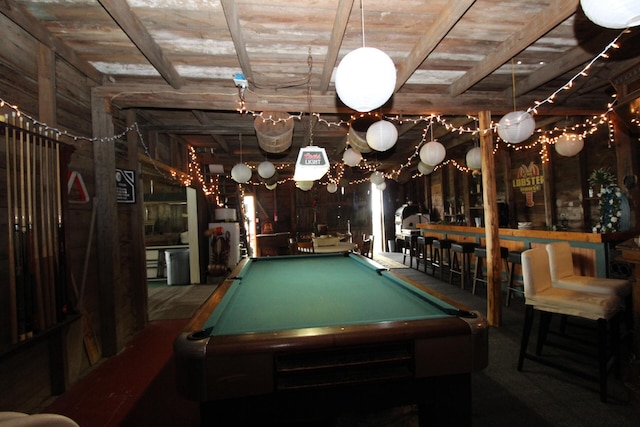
(537, 397)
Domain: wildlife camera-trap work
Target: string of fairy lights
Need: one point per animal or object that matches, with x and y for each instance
(210, 186)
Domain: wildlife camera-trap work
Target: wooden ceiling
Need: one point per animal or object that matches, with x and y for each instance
(173, 62)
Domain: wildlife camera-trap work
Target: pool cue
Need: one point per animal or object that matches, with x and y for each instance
(13, 315)
(62, 270)
(35, 240)
(20, 239)
(29, 256)
(47, 232)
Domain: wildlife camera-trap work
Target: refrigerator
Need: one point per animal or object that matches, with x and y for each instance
(224, 245)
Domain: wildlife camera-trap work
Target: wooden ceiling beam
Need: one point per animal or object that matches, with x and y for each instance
(339, 28)
(138, 34)
(18, 16)
(202, 117)
(440, 28)
(556, 12)
(233, 22)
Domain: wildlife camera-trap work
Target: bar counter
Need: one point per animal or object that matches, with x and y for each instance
(592, 252)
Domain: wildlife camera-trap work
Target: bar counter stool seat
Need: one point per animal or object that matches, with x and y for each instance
(541, 295)
(514, 258)
(461, 262)
(424, 251)
(441, 247)
(481, 254)
(409, 249)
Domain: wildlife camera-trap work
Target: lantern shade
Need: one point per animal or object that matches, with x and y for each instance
(351, 157)
(241, 173)
(271, 186)
(382, 135)
(474, 158)
(516, 126)
(424, 168)
(377, 177)
(432, 153)
(382, 186)
(304, 185)
(332, 187)
(365, 79)
(569, 144)
(617, 14)
(266, 169)
(312, 164)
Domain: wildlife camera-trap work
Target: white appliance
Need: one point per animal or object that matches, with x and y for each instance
(234, 239)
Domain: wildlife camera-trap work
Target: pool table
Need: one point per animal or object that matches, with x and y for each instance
(304, 336)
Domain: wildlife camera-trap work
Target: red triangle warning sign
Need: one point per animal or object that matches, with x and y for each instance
(76, 189)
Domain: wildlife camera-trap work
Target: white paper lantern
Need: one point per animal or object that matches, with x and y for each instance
(382, 186)
(241, 173)
(271, 186)
(382, 135)
(569, 144)
(304, 185)
(616, 14)
(432, 153)
(266, 169)
(365, 79)
(377, 177)
(351, 157)
(516, 126)
(474, 158)
(424, 168)
(332, 187)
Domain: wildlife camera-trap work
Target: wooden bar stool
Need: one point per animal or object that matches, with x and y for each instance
(514, 258)
(461, 262)
(427, 251)
(409, 249)
(441, 247)
(481, 255)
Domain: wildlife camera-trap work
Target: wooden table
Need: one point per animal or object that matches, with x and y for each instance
(630, 252)
(338, 247)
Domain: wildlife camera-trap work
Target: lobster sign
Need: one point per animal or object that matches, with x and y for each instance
(529, 181)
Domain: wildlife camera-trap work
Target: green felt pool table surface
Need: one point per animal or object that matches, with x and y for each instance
(318, 290)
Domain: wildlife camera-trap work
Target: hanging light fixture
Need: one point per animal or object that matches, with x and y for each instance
(304, 185)
(312, 161)
(617, 14)
(474, 158)
(382, 135)
(432, 153)
(241, 173)
(332, 187)
(351, 157)
(516, 126)
(424, 168)
(266, 169)
(271, 186)
(377, 178)
(569, 144)
(366, 77)
(382, 186)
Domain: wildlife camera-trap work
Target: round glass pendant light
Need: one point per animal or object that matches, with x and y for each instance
(382, 135)
(365, 79)
(516, 126)
(474, 158)
(351, 157)
(377, 178)
(617, 14)
(271, 186)
(382, 186)
(424, 168)
(241, 173)
(266, 169)
(332, 187)
(569, 144)
(432, 153)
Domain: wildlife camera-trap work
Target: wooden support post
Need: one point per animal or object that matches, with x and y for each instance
(491, 219)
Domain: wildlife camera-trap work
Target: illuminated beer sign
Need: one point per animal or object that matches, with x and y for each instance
(528, 181)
